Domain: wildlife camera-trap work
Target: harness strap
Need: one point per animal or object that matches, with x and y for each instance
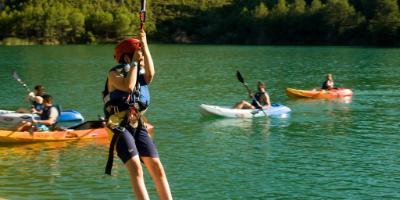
(110, 159)
(111, 109)
(117, 131)
(110, 106)
(137, 86)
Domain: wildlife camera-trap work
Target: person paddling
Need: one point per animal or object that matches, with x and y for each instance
(328, 84)
(36, 100)
(48, 118)
(126, 97)
(260, 99)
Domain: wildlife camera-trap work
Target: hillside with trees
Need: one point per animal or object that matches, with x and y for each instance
(308, 22)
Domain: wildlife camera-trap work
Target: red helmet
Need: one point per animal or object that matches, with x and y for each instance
(128, 46)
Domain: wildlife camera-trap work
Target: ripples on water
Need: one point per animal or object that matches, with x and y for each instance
(323, 150)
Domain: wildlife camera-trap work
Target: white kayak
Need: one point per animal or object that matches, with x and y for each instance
(277, 110)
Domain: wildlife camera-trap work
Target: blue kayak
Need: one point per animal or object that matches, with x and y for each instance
(70, 116)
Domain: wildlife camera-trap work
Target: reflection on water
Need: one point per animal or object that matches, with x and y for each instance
(345, 100)
(245, 126)
(229, 122)
(47, 165)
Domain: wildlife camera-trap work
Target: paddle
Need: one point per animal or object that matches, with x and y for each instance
(241, 79)
(18, 79)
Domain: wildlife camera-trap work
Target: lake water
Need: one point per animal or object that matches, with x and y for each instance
(323, 150)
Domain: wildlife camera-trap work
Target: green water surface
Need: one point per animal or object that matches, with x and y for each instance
(323, 150)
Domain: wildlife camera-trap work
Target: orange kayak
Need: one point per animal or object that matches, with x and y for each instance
(86, 130)
(319, 94)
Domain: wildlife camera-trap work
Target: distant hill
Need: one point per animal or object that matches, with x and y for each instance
(309, 22)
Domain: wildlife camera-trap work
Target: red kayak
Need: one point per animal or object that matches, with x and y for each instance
(319, 94)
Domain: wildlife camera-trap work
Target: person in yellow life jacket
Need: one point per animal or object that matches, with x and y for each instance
(126, 96)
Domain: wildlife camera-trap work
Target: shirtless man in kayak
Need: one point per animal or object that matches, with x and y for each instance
(260, 100)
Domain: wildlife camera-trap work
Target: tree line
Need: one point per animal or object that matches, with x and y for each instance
(343, 22)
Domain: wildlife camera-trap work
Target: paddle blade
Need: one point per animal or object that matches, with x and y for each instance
(239, 77)
(18, 79)
(15, 76)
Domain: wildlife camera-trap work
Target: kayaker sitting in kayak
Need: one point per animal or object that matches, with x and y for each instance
(48, 118)
(260, 100)
(328, 83)
(36, 99)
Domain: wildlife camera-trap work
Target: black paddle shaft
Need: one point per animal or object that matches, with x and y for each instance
(241, 79)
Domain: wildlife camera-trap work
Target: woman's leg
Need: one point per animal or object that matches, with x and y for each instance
(128, 153)
(239, 105)
(149, 156)
(135, 170)
(159, 177)
(243, 105)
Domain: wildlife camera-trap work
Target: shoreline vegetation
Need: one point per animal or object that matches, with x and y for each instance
(251, 22)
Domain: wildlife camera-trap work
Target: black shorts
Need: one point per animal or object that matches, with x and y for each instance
(134, 142)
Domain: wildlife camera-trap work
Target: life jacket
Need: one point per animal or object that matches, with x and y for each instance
(324, 85)
(258, 97)
(47, 112)
(37, 106)
(117, 100)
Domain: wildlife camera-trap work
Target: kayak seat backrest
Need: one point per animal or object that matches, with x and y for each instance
(59, 112)
(88, 125)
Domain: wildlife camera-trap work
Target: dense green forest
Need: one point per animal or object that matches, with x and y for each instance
(343, 22)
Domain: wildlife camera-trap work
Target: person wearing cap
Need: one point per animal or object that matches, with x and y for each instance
(260, 100)
(126, 97)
